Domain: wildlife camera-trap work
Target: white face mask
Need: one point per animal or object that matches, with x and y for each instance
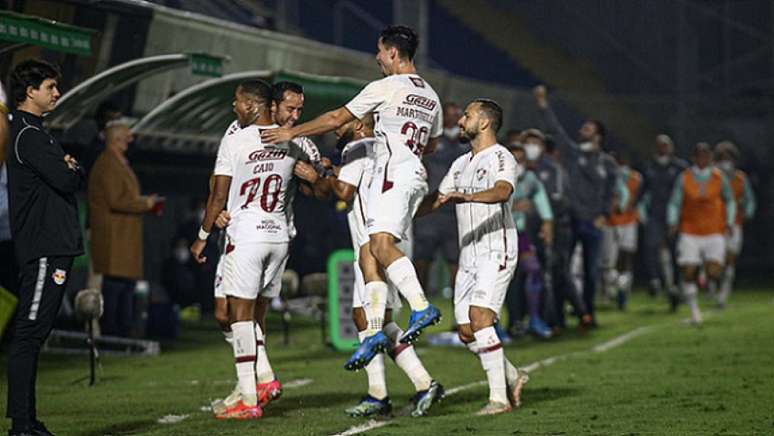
(452, 133)
(726, 165)
(532, 151)
(662, 159)
(586, 146)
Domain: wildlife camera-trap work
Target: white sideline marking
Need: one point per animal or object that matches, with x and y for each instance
(172, 419)
(297, 383)
(362, 428)
(605, 346)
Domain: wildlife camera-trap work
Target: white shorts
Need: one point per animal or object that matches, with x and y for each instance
(393, 201)
(253, 269)
(616, 239)
(696, 250)
(735, 240)
(218, 285)
(483, 285)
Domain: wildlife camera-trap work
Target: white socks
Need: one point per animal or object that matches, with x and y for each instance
(244, 356)
(625, 282)
(511, 372)
(229, 338)
(666, 269)
(375, 306)
(490, 351)
(402, 274)
(377, 385)
(690, 291)
(727, 284)
(262, 365)
(406, 358)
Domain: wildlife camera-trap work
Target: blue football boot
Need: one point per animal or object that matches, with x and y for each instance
(418, 321)
(377, 343)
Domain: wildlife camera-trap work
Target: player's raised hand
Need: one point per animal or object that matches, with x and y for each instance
(276, 136)
(304, 171)
(223, 219)
(541, 96)
(453, 197)
(197, 248)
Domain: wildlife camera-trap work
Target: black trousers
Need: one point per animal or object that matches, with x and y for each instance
(9, 271)
(118, 297)
(42, 286)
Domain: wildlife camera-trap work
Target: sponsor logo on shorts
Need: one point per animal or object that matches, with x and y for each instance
(59, 276)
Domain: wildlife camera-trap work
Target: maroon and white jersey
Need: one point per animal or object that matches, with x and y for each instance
(260, 178)
(310, 148)
(407, 113)
(486, 231)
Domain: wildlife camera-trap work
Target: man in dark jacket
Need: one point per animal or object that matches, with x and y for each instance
(593, 176)
(42, 181)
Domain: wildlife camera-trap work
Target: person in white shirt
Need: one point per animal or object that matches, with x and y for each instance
(251, 176)
(481, 183)
(408, 122)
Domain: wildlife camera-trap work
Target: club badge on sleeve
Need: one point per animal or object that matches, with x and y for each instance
(59, 276)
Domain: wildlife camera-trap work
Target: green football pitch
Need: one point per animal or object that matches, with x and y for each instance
(643, 372)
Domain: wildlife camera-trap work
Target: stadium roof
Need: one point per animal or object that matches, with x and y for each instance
(193, 121)
(21, 30)
(78, 101)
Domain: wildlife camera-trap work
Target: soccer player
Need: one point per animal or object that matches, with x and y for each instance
(727, 156)
(408, 121)
(252, 176)
(620, 235)
(350, 183)
(702, 209)
(287, 107)
(480, 183)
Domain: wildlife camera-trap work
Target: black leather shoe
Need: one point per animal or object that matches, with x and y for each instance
(39, 429)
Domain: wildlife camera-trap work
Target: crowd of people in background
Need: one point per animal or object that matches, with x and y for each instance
(584, 213)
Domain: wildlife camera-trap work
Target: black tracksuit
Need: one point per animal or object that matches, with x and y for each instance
(47, 237)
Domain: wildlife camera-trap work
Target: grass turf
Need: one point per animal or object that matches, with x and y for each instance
(671, 379)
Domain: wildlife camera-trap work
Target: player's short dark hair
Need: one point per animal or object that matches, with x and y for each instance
(600, 128)
(257, 89)
(402, 38)
(279, 88)
(492, 110)
(30, 73)
(702, 147)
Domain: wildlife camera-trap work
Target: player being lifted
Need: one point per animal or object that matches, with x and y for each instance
(287, 107)
(481, 182)
(252, 177)
(350, 184)
(407, 122)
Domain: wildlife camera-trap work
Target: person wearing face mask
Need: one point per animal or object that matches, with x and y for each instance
(115, 213)
(621, 235)
(541, 159)
(727, 156)
(658, 249)
(593, 177)
(701, 211)
(528, 284)
(437, 232)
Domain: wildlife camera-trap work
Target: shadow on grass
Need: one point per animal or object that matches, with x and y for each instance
(312, 401)
(124, 428)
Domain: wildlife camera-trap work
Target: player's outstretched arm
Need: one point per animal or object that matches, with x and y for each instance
(325, 123)
(215, 204)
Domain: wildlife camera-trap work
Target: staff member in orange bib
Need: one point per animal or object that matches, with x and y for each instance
(727, 155)
(702, 209)
(620, 235)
